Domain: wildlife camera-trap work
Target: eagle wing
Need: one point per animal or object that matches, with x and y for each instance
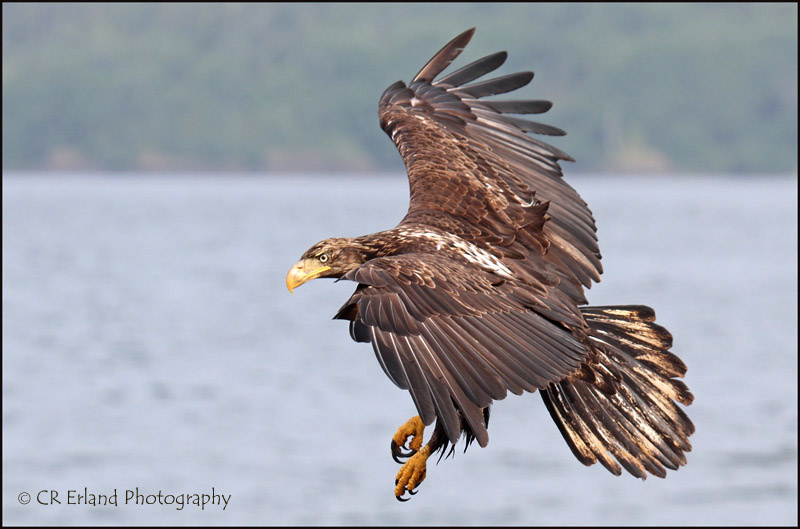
(455, 336)
(476, 171)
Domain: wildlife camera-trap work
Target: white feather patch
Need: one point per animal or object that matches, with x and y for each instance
(471, 252)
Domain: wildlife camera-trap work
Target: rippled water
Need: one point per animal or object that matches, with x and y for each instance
(149, 341)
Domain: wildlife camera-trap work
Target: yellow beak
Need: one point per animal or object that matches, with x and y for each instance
(305, 270)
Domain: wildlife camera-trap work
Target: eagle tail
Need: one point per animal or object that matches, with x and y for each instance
(622, 402)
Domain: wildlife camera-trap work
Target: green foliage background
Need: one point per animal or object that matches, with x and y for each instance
(682, 87)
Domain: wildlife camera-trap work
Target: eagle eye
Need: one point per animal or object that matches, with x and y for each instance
(323, 258)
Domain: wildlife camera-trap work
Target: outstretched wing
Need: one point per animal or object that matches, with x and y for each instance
(477, 171)
(455, 336)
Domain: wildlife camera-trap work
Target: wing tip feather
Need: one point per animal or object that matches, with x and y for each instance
(444, 57)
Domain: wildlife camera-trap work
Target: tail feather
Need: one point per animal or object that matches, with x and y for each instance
(620, 408)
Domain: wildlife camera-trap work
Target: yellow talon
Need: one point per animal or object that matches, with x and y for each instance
(413, 428)
(412, 473)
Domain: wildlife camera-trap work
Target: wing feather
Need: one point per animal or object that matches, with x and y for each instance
(416, 382)
(498, 85)
(474, 70)
(522, 106)
(444, 57)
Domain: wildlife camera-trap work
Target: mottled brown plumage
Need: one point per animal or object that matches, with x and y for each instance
(479, 290)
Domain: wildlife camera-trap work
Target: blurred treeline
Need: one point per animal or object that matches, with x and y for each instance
(639, 87)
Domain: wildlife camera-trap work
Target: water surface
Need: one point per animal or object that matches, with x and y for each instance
(149, 341)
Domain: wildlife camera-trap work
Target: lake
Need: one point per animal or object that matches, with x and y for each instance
(149, 342)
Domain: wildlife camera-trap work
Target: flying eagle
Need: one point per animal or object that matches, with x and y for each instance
(480, 289)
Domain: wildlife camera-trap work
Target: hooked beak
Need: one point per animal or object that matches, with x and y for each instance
(305, 270)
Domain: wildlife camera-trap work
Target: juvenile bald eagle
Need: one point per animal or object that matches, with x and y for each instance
(479, 290)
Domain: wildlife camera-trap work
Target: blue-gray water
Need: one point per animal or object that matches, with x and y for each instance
(149, 341)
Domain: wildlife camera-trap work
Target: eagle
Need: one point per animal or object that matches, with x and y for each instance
(479, 290)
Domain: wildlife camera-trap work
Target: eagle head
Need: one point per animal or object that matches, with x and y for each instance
(332, 257)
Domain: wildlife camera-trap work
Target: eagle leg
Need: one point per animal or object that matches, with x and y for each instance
(413, 471)
(411, 474)
(413, 428)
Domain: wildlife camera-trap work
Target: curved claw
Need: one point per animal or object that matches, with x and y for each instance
(409, 433)
(398, 452)
(412, 474)
(411, 492)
